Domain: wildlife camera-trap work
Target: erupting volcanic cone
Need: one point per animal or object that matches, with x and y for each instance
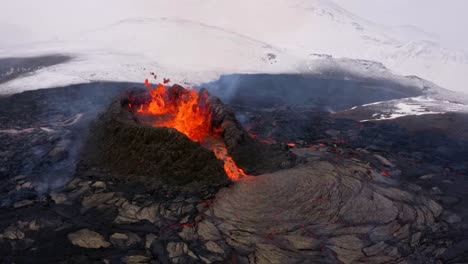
(188, 112)
(172, 135)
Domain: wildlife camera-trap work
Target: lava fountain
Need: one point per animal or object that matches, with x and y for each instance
(188, 112)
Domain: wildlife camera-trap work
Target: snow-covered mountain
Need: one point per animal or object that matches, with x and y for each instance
(195, 41)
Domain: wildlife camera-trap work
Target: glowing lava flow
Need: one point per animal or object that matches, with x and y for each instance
(187, 112)
(219, 149)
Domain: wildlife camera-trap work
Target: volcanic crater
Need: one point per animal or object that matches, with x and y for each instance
(173, 135)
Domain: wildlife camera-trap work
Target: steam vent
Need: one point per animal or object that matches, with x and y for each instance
(176, 136)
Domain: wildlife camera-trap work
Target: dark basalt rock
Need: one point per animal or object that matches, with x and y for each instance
(11, 68)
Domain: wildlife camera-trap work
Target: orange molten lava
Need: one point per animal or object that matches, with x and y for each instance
(219, 149)
(182, 113)
(187, 112)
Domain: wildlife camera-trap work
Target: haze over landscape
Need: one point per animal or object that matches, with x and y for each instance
(149, 34)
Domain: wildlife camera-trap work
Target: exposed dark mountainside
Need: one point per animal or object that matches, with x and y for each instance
(11, 68)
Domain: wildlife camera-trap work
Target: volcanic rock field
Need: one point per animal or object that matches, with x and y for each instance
(83, 179)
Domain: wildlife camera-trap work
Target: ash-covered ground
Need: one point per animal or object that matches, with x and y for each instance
(361, 192)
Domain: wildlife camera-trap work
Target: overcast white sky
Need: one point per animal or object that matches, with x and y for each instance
(446, 18)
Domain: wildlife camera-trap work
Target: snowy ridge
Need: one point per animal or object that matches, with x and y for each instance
(366, 69)
(400, 108)
(196, 41)
(408, 33)
(436, 100)
(421, 105)
(185, 51)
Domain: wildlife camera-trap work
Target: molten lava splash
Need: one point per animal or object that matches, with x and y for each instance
(183, 112)
(187, 112)
(157, 105)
